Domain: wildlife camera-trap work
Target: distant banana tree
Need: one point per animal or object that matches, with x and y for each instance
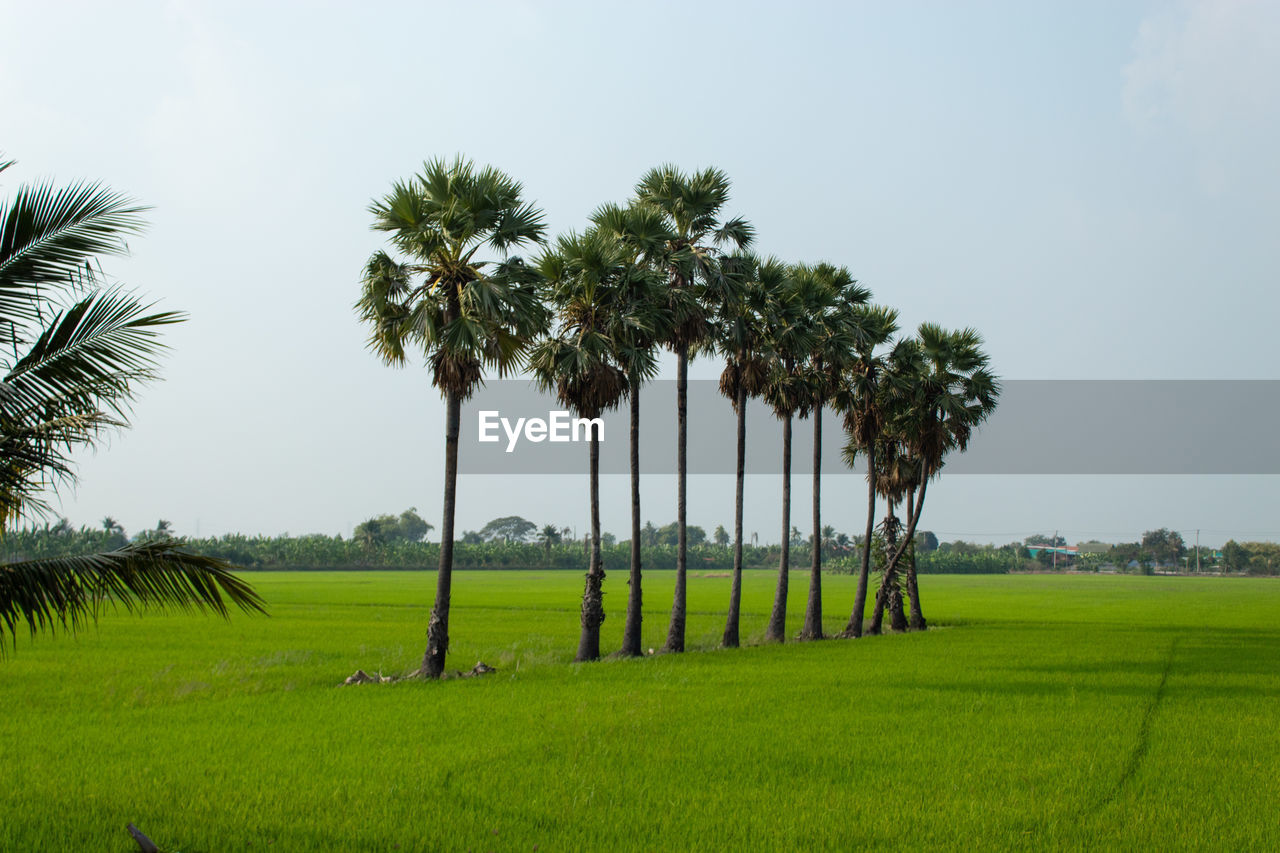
(73, 352)
(463, 313)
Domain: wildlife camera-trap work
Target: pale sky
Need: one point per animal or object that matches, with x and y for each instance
(1094, 186)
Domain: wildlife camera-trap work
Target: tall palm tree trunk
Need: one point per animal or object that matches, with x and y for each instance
(813, 610)
(631, 638)
(438, 625)
(592, 595)
(897, 615)
(895, 552)
(854, 628)
(735, 592)
(917, 621)
(887, 580)
(675, 634)
(777, 630)
(878, 607)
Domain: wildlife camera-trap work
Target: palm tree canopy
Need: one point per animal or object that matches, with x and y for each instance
(936, 389)
(590, 280)
(790, 339)
(464, 312)
(73, 353)
(741, 322)
(954, 394)
(858, 395)
(831, 296)
(692, 205)
(549, 535)
(642, 233)
(50, 233)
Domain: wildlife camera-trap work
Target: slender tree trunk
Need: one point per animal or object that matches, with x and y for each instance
(854, 628)
(593, 595)
(895, 553)
(878, 607)
(882, 593)
(917, 621)
(675, 634)
(438, 625)
(735, 592)
(813, 610)
(777, 630)
(897, 614)
(631, 638)
(913, 515)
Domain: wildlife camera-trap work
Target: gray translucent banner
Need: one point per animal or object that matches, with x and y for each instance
(1040, 427)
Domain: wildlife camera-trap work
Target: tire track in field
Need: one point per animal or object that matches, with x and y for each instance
(1144, 738)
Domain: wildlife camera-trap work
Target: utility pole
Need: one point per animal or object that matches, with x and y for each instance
(1197, 550)
(1054, 543)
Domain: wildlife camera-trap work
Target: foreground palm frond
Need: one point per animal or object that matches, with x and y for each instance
(49, 236)
(70, 591)
(73, 352)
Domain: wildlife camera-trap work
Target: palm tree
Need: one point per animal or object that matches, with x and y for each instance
(834, 297)
(464, 313)
(829, 540)
(692, 205)
(644, 234)
(860, 398)
(73, 352)
(548, 536)
(741, 339)
(841, 543)
(587, 278)
(952, 392)
(789, 341)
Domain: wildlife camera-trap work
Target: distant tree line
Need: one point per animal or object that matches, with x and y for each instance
(399, 542)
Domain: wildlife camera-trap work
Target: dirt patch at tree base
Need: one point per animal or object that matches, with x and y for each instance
(362, 677)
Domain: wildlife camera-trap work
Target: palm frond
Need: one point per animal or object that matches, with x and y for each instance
(88, 355)
(49, 234)
(69, 592)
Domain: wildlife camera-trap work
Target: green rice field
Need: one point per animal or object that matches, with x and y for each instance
(1060, 712)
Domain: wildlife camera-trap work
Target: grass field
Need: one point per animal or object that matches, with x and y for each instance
(1044, 711)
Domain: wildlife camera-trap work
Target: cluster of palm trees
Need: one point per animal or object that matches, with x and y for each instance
(588, 317)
